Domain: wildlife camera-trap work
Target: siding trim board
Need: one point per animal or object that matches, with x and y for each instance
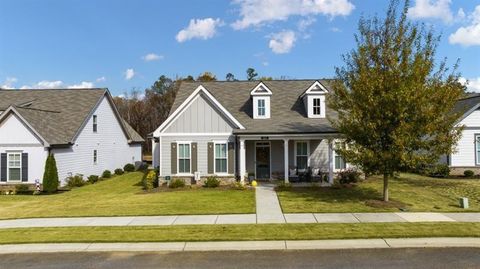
(475, 141)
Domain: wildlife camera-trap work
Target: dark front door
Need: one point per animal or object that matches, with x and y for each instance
(262, 153)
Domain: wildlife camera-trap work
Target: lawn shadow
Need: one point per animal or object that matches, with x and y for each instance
(336, 195)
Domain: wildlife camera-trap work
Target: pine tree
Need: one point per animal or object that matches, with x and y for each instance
(50, 175)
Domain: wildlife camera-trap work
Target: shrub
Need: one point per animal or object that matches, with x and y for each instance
(142, 166)
(282, 186)
(468, 173)
(118, 171)
(148, 180)
(92, 179)
(50, 175)
(211, 182)
(22, 189)
(106, 174)
(176, 183)
(129, 167)
(439, 170)
(75, 181)
(238, 186)
(348, 176)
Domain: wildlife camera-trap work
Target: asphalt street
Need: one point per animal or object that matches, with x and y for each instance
(438, 258)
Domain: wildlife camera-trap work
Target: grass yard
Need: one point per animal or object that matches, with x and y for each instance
(410, 191)
(238, 232)
(122, 196)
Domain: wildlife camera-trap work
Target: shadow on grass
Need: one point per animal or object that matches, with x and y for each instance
(340, 195)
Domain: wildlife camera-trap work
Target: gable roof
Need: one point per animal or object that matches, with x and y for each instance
(57, 115)
(467, 105)
(288, 113)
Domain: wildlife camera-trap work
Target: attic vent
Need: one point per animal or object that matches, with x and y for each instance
(262, 89)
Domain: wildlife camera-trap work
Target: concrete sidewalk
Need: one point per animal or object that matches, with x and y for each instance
(262, 218)
(268, 206)
(380, 243)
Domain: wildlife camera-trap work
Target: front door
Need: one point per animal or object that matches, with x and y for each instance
(262, 157)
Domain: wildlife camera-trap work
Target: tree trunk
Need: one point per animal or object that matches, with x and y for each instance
(385, 187)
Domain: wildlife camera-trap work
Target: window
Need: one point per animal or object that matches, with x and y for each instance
(339, 161)
(261, 107)
(14, 166)
(221, 158)
(95, 123)
(184, 158)
(302, 155)
(316, 106)
(95, 157)
(477, 149)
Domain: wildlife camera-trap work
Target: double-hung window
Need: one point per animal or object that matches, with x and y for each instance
(14, 166)
(339, 161)
(302, 155)
(95, 123)
(261, 107)
(220, 157)
(184, 158)
(477, 149)
(316, 106)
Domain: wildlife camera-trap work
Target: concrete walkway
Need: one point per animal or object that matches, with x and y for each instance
(381, 243)
(268, 206)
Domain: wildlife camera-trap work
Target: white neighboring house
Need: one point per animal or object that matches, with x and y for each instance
(81, 127)
(467, 150)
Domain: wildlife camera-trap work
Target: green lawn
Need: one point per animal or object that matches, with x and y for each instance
(238, 232)
(410, 191)
(123, 196)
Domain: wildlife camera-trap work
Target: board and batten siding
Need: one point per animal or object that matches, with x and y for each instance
(200, 117)
(111, 143)
(202, 150)
(16, 136)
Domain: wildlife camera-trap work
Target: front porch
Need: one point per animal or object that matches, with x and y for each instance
(291, 158)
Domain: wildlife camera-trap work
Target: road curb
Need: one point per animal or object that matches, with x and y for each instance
(380, 243)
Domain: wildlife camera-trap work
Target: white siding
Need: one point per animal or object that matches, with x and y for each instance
(109, 141)
(464, 155)
(472, 120)
(202, 160)
(15, 136)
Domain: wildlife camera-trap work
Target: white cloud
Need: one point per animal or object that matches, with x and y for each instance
(258, 12)
(199, 28)
(81, 85)
(152, 57)
(431, 9)
(129, 73)
(282, 42)
(468, 35)
(8, 83)
(335, 29)
(473, 85)
(101, 79)
(303, 24)
(46, 84)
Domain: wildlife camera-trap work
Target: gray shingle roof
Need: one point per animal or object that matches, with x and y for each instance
(57, 114)
(288, 113)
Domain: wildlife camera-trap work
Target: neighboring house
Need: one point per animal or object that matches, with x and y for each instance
(467, 151)
(81, 127)
(270, 129)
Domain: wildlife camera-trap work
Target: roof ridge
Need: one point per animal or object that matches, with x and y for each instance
(36, 109)
(54, 89)
(258, 80)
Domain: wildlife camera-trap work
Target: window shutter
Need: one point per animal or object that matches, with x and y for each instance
(24, 167)
(3, 167)
(210, 157)
(194, 157)
(173, 158)
(231, 157)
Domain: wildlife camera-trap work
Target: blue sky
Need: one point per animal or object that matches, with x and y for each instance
(129, 44)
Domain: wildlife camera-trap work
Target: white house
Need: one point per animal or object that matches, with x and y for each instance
(81, 127)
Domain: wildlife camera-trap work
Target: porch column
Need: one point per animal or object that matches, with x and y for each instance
(330, 161)
(243, 161)
(285, 159)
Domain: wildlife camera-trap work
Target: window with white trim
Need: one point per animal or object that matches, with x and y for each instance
(184, 158)
(14, 166)
(477, 149)
(339, 160)
(301, 155)
(95, 156)
(261, 107)
(220, 158)
(317, 106)
(95, 125)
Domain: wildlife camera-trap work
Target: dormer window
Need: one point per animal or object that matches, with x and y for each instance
(261, 101)
(314, 100)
